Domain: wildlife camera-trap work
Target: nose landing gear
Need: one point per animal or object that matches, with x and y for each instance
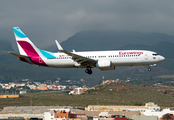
(149, 69)
(88, 70)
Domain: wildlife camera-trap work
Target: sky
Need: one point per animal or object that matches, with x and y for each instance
(45, 21)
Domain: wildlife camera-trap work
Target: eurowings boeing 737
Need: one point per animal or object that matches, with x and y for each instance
(103, 60)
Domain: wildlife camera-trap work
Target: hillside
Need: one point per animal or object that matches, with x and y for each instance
(169, 90)
(124, 93)
(112, 94)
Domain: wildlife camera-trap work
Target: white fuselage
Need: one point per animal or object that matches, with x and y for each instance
(117, 58)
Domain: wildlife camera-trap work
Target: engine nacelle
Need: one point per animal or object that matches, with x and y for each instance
(77, 64)
(104, 63)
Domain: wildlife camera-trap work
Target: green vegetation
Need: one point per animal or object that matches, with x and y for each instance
(112, 94)
(166, 117)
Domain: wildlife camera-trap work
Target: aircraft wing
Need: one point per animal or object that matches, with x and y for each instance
(18, 55)
(79, 59)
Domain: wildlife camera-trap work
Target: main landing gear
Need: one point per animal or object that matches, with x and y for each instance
(88, 70)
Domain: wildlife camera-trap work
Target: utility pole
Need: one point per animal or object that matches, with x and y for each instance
(103, 79)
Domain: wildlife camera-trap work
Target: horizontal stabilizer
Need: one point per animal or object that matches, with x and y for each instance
(18, 55)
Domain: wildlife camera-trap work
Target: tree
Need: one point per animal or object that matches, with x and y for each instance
(166, 117)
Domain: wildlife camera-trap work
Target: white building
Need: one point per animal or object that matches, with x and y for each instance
(49, 115)
(149, 106)
(104, 114)
(78, 91)
(157, 113)
(22, 92)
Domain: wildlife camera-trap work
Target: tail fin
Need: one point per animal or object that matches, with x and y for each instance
(25, 46)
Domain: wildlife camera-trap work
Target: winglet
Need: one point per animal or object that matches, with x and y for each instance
(59, 46)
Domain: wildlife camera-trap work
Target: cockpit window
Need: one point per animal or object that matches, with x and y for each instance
(155, 54)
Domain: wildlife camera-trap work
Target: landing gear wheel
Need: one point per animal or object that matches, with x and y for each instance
(88, 70)
(149, 69)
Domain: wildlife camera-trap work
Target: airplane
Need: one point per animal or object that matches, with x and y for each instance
(103, 60)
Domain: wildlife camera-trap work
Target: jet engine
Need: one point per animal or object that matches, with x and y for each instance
(103, 63)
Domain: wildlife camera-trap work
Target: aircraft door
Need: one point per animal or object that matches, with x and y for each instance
(146, 56)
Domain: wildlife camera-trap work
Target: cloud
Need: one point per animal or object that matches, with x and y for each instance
(44, 21)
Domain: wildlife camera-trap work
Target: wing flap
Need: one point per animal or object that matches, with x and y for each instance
(80, 59)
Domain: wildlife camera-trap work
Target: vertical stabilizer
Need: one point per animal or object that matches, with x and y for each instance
(25, 46)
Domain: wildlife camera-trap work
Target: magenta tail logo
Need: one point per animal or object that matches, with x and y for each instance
(28, 48)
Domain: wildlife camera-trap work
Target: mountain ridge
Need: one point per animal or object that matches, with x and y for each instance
(110, 39)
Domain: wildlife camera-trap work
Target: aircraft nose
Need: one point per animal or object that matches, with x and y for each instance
(162, 58)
